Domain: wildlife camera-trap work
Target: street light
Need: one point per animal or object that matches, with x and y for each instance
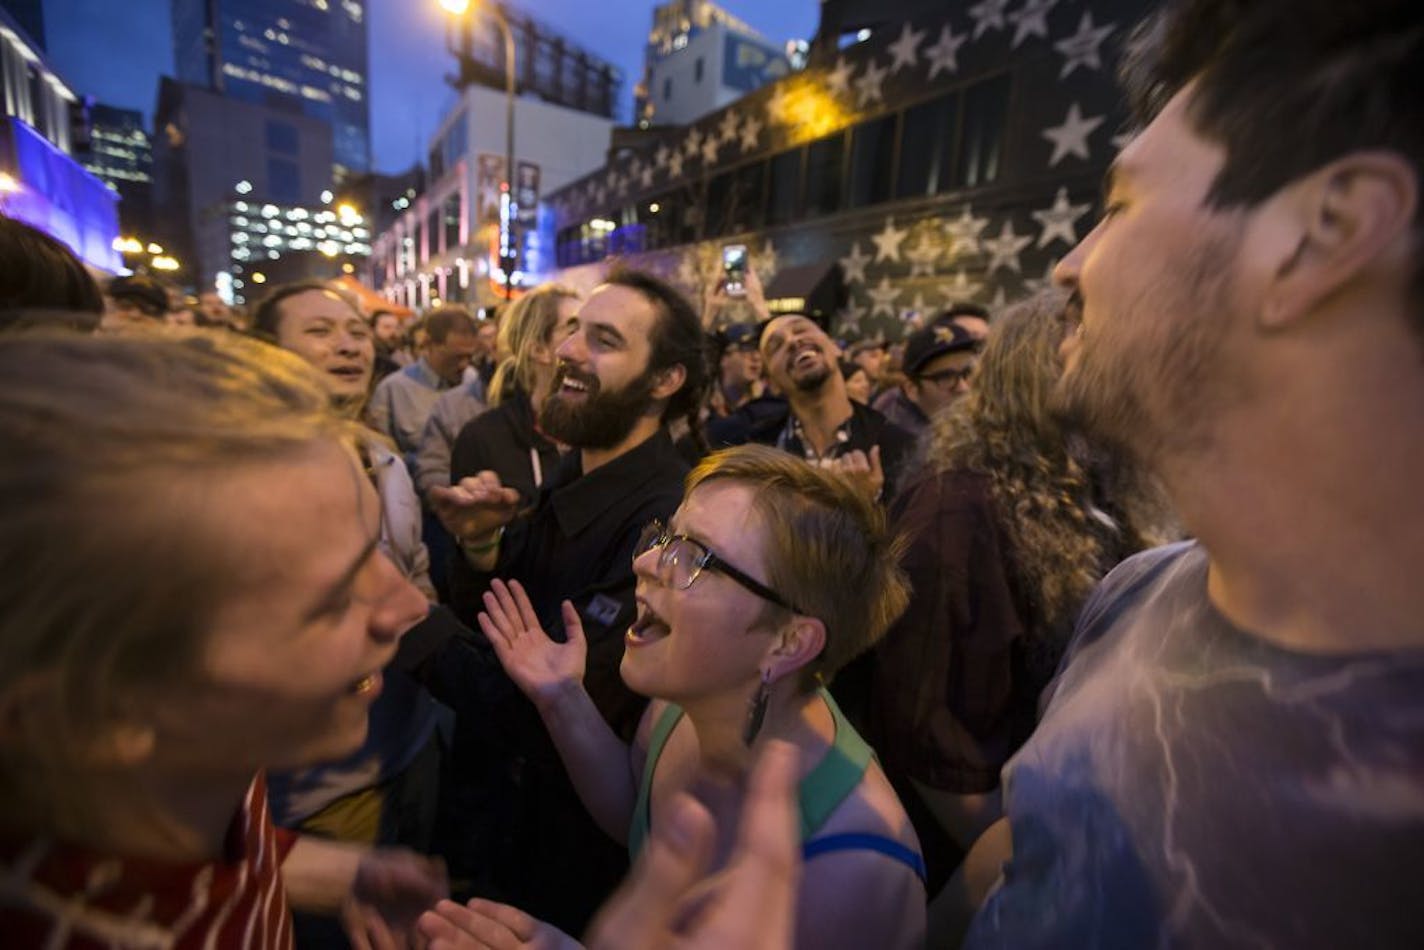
(458, 9)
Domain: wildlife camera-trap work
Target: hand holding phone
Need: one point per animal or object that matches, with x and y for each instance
(734, 269)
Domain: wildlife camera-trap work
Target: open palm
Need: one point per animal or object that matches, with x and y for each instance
(539, 666)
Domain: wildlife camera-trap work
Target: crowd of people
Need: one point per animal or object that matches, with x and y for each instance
(1092, 621)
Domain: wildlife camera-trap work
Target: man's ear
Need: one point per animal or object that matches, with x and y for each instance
(668, 381)
(1344, 219)
(800, 642)
(28, 712)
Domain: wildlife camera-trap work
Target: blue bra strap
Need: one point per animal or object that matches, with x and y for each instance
(866, 842)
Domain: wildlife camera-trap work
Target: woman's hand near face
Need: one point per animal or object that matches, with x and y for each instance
(542, 668)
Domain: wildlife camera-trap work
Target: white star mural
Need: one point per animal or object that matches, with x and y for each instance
(645, 177)
(1071, 138)
(751, 133)
(1081, 49)
(883, 297)
(905, 51)
(1031, 19)
(709, 150)
(1120, 140)
(919, 305)
(853, 264)
(660, 157)
(727, 131)
(776, 104)
(675, 165)
(963, 233)
(888, 241)
(988, 15)
(961, 289)
(692, 144)
(1000, 299)
(944, 54)
(1004, 250)
(1060, 220)
(922, 258)
(867, 87)
(838, 79)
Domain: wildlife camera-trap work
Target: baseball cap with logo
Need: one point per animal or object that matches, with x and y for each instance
(935, 340)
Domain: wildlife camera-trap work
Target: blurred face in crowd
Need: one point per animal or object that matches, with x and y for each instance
(182, 317)
(709, 638)
(125, 312)
(212, 308)
(741, 364)
(858, 385)
(872, 360)
(942, 380)
(488, 334)
(387, 329)
(602, 385)
(798, 354)
(450, 356)
(325, 331)
(294, 655)
(1150, 362)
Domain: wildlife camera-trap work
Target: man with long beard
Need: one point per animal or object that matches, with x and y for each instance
(630, 361)
(1232, 753)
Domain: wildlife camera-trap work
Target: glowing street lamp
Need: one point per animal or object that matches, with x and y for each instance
(164, 262)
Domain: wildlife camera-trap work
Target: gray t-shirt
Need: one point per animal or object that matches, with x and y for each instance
(1191, 785)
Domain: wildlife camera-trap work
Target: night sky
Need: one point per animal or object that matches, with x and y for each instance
(115, 50)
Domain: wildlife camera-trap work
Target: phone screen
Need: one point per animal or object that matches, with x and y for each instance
(734, 267)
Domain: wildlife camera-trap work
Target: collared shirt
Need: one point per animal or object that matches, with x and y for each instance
(403, 401)
(864, 430)
(64, 896)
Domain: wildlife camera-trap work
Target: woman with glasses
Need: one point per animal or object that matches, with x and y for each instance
(770, 577)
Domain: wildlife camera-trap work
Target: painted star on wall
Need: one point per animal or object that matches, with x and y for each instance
(660, 157)
(867, 87)
(961, 288)
(922, 258)
(1081, 49)
(776, 104)
(963, 233)
(645, 177)
(853, 264)
(1004, 250)
(727, 131)
(882, 297)
(838, 78)
(1031, 19)
(751, 133)
(675, 165)
(692, 144)
(1059, 221)
(709, 150)
(988, 15)
(1071, 138)
(944, 54)
(888, 241)
(905, 51)
(1039, 284)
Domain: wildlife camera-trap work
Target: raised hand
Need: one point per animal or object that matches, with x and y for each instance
(865, 470)
(475, 507)
(482, 923)
(540, 667)
(393, 887)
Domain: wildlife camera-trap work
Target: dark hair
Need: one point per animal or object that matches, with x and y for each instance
(38, 273)
(443, 321)
(677, 340)
(1334, 77)
(267, 319)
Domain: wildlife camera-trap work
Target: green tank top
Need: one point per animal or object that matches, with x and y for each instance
(821, 791)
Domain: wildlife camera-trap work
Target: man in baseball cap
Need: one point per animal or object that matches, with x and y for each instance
(939, 361)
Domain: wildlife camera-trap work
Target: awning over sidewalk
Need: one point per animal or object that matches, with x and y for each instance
(370, 300)
(817, 290)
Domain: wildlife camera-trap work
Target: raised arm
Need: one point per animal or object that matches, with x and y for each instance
(551, 675)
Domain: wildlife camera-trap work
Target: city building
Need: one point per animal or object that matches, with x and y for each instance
(952, 154)
(310, 55)
(29, 16)
(40, 180)
(116, 149)
(274, 244)
(459, 236)
(700, 58)
(210, 150)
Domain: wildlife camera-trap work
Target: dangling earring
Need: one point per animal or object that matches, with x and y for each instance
(756, 709)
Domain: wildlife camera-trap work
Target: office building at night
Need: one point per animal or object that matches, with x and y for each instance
(309, 55)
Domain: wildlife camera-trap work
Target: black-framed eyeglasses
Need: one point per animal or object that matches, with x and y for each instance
(682, 560)
(951, 377)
